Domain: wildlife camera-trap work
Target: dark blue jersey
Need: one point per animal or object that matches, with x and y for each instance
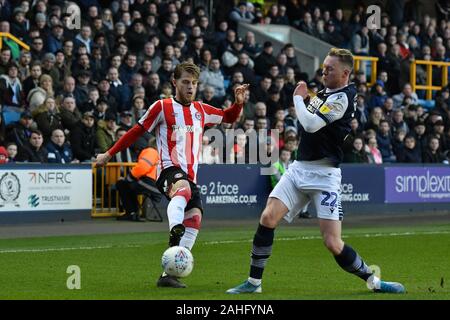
(336, 108)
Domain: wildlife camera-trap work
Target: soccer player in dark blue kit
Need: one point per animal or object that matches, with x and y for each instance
(316, 176)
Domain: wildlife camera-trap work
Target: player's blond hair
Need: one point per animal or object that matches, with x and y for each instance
(188, 67)
(344, 55)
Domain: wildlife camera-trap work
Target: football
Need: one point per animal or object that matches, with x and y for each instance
(177, 261)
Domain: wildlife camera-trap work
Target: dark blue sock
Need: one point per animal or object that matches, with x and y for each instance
(262, 248)
(350, 261)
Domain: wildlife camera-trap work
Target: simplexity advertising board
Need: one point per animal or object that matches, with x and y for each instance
(417, 184)
(27, 188)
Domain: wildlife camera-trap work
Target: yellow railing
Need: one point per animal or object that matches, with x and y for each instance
(13, 38)
(429, 87)
(104, 180)
(373, 61)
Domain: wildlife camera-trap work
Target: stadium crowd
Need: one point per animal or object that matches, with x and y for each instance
(79, 90)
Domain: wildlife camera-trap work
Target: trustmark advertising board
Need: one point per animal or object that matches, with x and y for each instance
(38, 187)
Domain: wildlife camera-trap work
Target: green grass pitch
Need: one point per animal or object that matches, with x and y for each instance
(126, 266)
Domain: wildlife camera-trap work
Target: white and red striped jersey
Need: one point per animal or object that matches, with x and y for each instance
(179, 132)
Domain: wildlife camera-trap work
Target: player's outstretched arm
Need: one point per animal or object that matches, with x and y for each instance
(231, 114)
(309, 121)
(127, 140)
(239, 93)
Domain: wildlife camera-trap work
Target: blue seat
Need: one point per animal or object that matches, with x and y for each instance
(10, 116)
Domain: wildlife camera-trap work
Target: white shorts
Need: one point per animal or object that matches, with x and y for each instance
(310, 180)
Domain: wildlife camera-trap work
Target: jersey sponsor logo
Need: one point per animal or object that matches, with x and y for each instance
(185, 129)
(325, 109)
(314, 104)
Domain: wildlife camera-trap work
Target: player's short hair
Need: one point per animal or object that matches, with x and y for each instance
(344, 55)
(188, 67)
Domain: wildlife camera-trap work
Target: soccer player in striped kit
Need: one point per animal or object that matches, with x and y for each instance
(178, 126)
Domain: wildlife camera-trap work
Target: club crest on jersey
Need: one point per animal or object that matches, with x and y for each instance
(198, 115)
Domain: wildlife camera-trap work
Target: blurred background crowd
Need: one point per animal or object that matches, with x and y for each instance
(79, 90)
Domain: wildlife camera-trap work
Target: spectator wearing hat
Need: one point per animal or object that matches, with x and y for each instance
(83, 138)
(11, 87)
(58, 150)
(240, 14)
(41, 24)
(63, 69)
(439, 132)
(265, 59)
(230, 57)
(19, 132)
(82, 87)
(48, 67)
(126, 119)
(378, 96)
(34, 150)
(101, 109)
(19, 24)
(167, 36)
(137, 35)
(411, 116)
(420, 133)
(332, 35)
(55, 39)
(105, 133)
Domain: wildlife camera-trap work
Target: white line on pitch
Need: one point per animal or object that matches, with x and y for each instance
(65, 249)
(367, 235)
